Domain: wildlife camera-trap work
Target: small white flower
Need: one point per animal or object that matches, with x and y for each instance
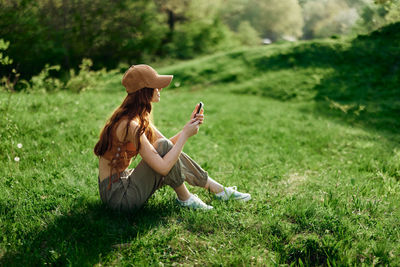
(16, 159)
(19, 145)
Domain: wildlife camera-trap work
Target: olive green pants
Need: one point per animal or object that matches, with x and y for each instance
(135, 186)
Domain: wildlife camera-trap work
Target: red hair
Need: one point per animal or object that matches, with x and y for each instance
(136, 105)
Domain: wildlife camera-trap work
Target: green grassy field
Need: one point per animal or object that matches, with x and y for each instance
(323, 167)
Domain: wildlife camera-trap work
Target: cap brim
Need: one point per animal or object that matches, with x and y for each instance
(162, 81)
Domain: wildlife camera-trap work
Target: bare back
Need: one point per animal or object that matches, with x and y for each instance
(104, 164)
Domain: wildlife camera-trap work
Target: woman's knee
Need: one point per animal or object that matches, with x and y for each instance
(163, 145)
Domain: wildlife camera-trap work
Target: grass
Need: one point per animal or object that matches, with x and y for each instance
(324, 182)
(359, 77)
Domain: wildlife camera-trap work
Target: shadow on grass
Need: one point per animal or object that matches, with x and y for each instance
(83, 235)
(357, 81)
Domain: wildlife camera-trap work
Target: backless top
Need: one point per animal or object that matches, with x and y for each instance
(119, 155)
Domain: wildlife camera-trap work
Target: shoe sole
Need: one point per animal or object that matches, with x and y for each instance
(244, 199)
(194, 208)
(238, 199)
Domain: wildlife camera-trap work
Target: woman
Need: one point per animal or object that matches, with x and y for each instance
(129, 132)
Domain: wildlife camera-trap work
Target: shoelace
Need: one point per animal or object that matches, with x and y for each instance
(193, 196)
(196, 198)
(232, 191)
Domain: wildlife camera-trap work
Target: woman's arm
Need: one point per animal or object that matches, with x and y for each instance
(159, 135)
(157, 132)
(164, 164)
(175, 137)
(199, 117)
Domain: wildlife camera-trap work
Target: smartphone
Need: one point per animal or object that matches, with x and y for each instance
(200, 107)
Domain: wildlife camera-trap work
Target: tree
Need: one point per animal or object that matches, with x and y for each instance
(194, 27)
(275, 18)
(270, 18)
(66, 31)
(379, 14)
(323, 18)
(247, 34)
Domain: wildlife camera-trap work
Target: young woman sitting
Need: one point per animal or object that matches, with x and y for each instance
(129, 132)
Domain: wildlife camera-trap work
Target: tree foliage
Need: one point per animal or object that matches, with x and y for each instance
(108, 32)
(64, 32)
(323, 18)
(247, 34)
(380, 14)
(4, 59)
(271, 18)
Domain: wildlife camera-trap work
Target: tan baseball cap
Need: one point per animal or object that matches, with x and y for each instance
(141, 76)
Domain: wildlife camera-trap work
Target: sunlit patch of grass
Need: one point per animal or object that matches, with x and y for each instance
(325, 187)
(322, 191)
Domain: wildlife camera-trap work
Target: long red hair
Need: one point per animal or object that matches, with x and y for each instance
(136, 105)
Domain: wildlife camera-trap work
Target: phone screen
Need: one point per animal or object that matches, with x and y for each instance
(199, 108)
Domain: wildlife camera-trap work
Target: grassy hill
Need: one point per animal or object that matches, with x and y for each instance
(358, 77)
(310, 129)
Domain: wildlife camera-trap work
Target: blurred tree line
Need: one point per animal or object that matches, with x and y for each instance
(63, 32)
(108, 32)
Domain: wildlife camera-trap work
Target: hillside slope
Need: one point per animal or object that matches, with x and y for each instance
(356, 80)
(323, 193)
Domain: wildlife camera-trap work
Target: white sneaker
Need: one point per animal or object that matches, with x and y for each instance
(194, 202)
(232, 193)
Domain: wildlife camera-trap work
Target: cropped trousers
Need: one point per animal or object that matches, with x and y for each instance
(135, 186)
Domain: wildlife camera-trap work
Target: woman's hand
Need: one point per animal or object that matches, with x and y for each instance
(191, 128)
(199, 116)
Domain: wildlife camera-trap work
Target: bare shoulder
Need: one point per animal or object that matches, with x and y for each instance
(122, 129)
(133, 128)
